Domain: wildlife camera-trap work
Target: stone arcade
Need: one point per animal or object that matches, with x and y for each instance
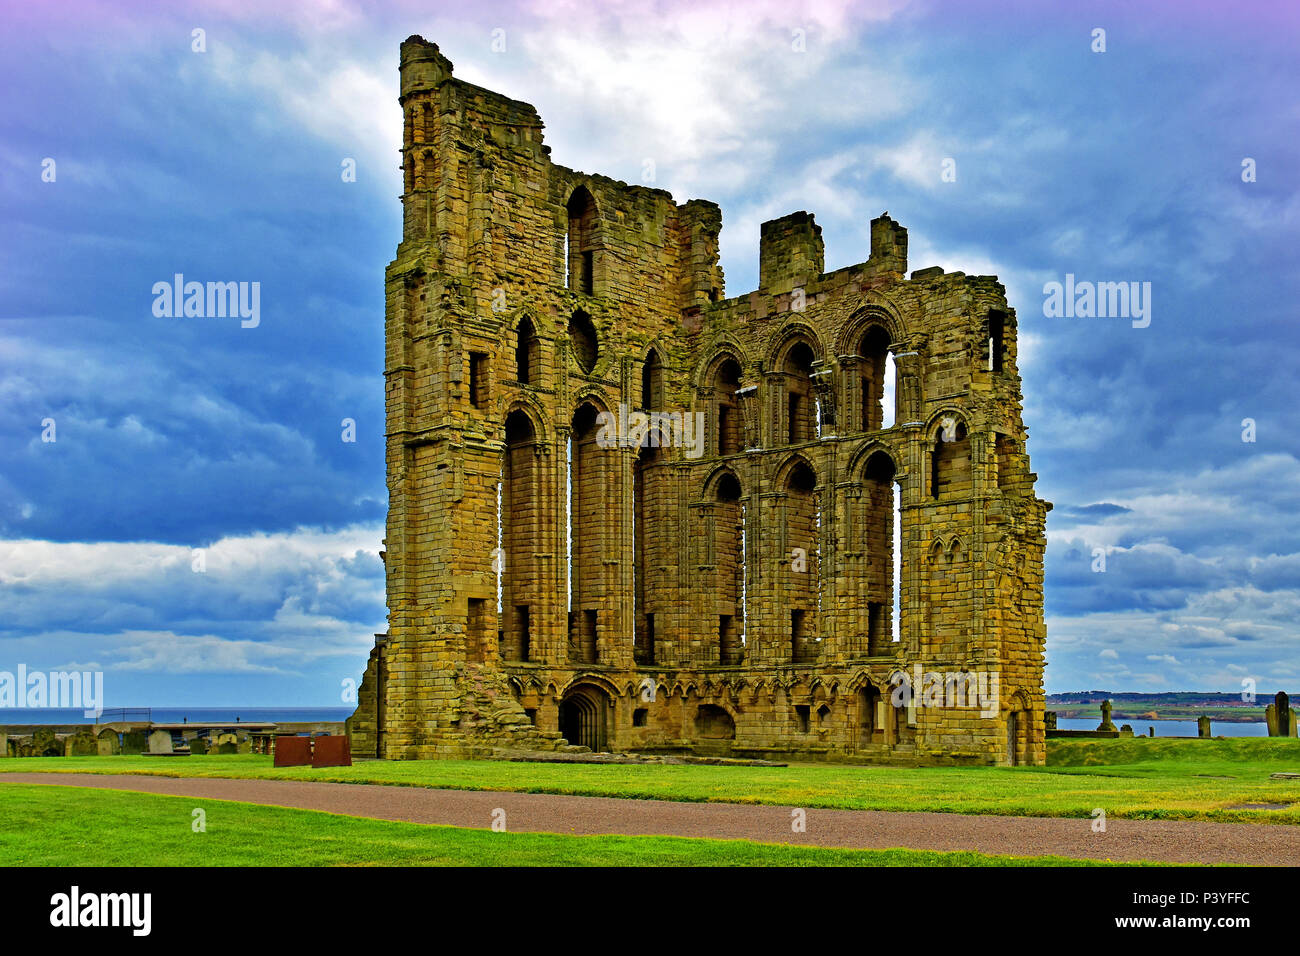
(548, 589)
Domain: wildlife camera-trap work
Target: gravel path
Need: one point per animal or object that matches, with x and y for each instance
(1176, 842)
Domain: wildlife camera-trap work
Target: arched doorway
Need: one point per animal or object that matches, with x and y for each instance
(583, 717)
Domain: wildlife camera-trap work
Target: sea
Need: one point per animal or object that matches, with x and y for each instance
(1169, 728)
(176, 715)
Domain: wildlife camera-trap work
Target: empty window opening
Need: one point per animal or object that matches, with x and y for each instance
(640, 717)
(997, 330)
(524, 635)
(581, 242)
(531, 714)
(801, 717)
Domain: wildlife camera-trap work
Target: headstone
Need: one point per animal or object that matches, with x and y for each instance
(1151, 730)
(107, 743)
(292, 751)
(1126, 730)
(1203, 726)
(199, 746)
(1270, 718)
(160, 742)
(1283, 704)
(1292, 728)
(244, 745)
(1106, 722)
(4, 744)
(133, 742)
(328, 751)
(1049, 720)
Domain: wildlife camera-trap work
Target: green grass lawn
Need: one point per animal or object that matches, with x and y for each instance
(1135, 778)
(75, 826)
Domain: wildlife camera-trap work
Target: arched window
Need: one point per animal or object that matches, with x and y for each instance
(881, 550)
(591, 472)
(728, 550)
(802, 524)
(801, 413)
(652, 382)
(876, 362)
(581, 242)
(725, 382)
(520, 526)
(582, 336)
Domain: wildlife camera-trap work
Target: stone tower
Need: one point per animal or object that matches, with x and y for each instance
(628, 512)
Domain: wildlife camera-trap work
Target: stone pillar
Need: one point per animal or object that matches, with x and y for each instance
(1203, 726)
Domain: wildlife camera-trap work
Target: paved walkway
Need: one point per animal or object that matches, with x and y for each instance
(1177, 842)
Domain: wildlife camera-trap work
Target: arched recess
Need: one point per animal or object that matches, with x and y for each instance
(583, 341)
(591, 482)
(798, 416)
(724, 380)
(584, 716)
(723, 540)
(582, 245)
(653, 554)
(528, 353)
(950, 465)
(798, 580)
(880, 544)
(652, 382)
(877, 379)
(521, 527)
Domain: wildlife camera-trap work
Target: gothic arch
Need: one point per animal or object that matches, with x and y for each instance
(879, 312)
(792, 332)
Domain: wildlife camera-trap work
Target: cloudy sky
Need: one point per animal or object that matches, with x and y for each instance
(199, 530)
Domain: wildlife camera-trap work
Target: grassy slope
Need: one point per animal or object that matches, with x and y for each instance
(1137, 778)
(74, 826)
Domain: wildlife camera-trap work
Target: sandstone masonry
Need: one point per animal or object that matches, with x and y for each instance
(549, 587)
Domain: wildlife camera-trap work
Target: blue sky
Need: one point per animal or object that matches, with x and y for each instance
(182, 434)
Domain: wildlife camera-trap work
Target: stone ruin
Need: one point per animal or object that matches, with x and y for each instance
(631, 512)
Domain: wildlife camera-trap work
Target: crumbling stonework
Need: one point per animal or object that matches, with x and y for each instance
(555, 576)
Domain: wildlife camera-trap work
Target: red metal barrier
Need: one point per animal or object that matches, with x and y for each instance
(331, 752)
(292, 751)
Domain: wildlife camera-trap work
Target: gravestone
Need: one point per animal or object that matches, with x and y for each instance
(1283, 704)
(4, 744)
(1106, 722)
(1203, 726)
(1049, 720)
(46, 743)
(1126, 730)
(199, 745)
(133, 742)
(1151, 730)
(160, 742)
(107, 743)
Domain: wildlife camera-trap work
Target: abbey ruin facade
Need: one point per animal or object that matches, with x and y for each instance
(628, 512)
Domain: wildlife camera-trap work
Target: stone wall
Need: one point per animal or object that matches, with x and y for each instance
(730, 590)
